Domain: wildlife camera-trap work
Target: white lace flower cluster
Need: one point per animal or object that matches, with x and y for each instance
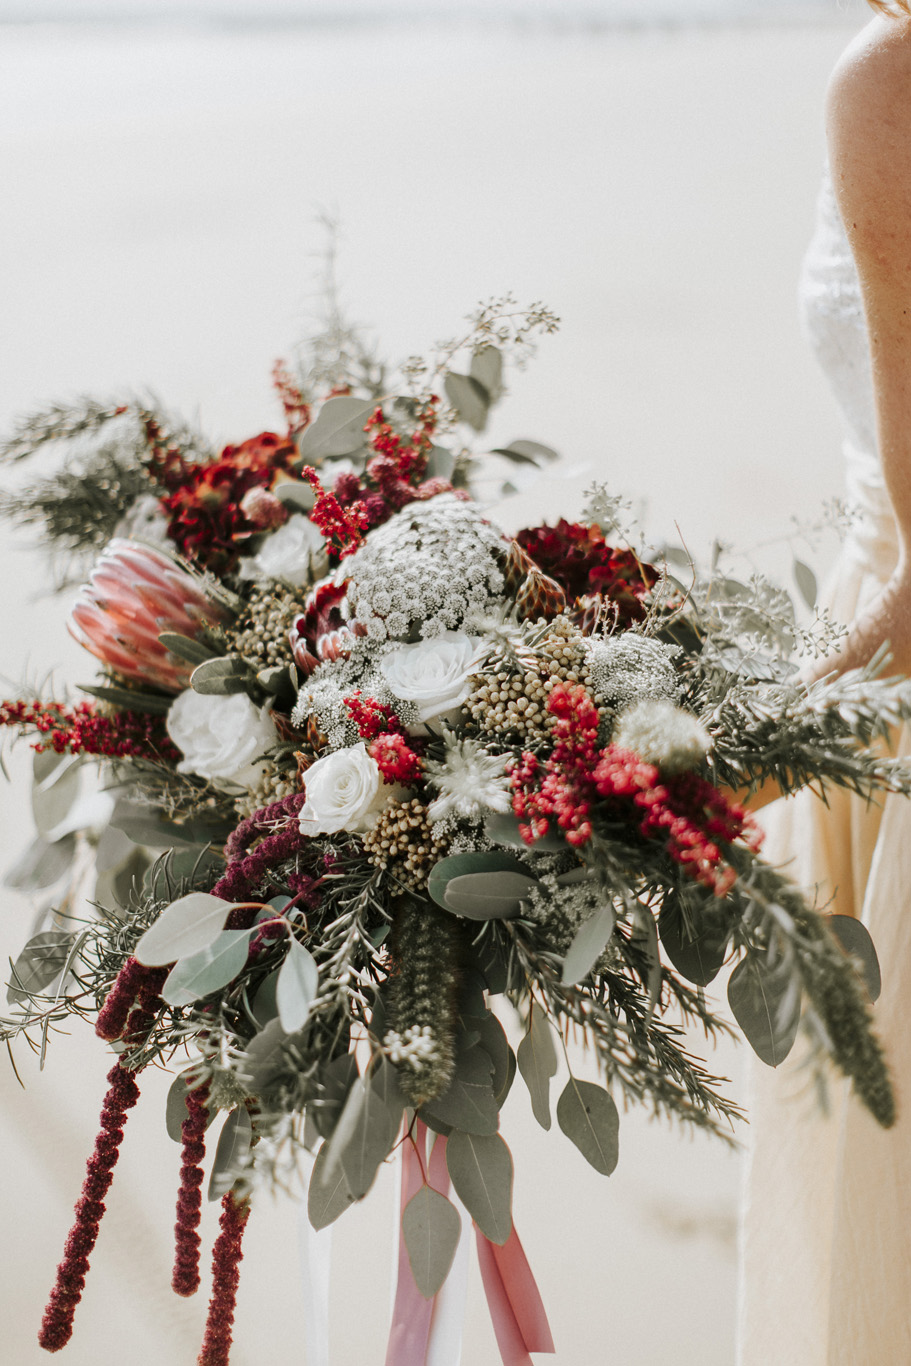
(429, 566)
(415, 1047)
(470, 781)
(629, 667)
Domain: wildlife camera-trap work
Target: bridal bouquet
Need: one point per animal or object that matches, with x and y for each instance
(367, 767)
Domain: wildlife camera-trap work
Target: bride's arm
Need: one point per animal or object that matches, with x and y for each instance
(869, 132)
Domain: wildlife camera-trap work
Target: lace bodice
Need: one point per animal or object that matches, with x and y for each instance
(833, 315)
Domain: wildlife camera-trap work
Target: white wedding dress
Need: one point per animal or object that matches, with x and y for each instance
(826, 1230)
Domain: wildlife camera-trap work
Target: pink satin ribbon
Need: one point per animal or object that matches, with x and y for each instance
(516, 1308)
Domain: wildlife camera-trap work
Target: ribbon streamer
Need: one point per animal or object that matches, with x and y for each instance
(516, 1308)
(445, 1345)
(315, 1262)
(411, 1313)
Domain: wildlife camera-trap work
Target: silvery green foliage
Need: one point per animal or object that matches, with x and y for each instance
(629, 668)
(431, 564)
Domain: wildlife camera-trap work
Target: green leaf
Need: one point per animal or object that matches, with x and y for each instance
(188, 925)
(463, 865)
(495, 1044)
(440, 463)
(187, 648)
(338, 430)
(209, 970)
(469, 1102)
(588, 1116)
(327, 1196)
(487, 369)
(298, 980)
(367, 1128)
(766, 1007)
(42, 864)
(129, 699)
(264, 1059)
(695, 931)
(146, 825)
(43, 958)
(55, 788)
(176, 1109)
(527, 453)
(806, 582)
(537, 1059)
(854, 938)
(480, 1167)
(234, 1144)
(469, 398)
(222, 676)
(588, 944)
(295, 494)
(335, 1081)
(431, 1228)
(488, 896)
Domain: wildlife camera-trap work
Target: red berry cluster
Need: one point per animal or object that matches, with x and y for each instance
(372, 718)
(685, 811)
(565, 791)
(342, 527)
(395, 759)
(82, 730)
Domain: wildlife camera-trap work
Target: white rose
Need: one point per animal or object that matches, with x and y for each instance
(433, 673)
(343, 791)
(286, 553)
(221, 738)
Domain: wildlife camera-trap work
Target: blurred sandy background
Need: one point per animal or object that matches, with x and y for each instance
(158, 222)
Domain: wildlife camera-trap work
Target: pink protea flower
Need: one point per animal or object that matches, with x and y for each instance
(134, 594)
(323, 633)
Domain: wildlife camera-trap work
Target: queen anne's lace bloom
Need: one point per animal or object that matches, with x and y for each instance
(431, 564)
(628, 667)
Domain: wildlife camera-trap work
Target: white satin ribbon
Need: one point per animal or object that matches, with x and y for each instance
(315, 1263)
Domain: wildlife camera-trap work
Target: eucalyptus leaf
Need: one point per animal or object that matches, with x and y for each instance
(298, 981)
(42, 864)
(488, 896)
(264, 1006)
(465, 865)
(469, 398)
(43, 958)
(695, 932)
(806, 582)
(588, 1116)
(537, 1060)
(528, 452)
(54, 793)
(854, 938)
(223, 676)
(234, 1144)
(480, 1167)
(487, 369)
(335, 1081)
(338, 429)
(468, 1103)
(431, 1228)
(264, 1059)
(187, 648)
(495, 1044)
(765, 1007)
(328, 1195)
(188, 925)
(440, 463)
(588, 944)
(176, 1109)
(295, 494)
(209, 970)
(367, 1128)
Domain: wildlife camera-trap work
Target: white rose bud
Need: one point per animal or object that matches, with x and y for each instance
(343, 791)
(221, 738)
(433, 674)
(287, 554)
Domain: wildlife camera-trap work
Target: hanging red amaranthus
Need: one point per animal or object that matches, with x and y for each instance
(81, 730)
